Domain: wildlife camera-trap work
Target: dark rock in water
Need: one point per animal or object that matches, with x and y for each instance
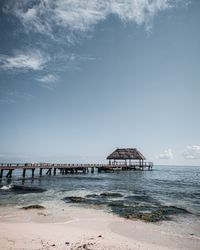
(33, 207)
(142, 198)
(97, 201)
(149, 212)
(145, 213)
(152, 217)
(111, 195)
(171, 210)
(116, 204)
(92, 196)
(75, 199)
(25, 189)
(148, 217)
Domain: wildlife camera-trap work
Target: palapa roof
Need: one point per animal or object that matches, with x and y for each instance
(126, 154)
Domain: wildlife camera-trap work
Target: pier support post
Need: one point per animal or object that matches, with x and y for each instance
(33, 170)
(40, 171)
(92, 170)
(9, 174)
(24, 173)
(48, 172)
(1, 174)
(54, 171)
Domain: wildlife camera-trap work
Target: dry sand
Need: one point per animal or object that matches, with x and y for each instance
(81, 228)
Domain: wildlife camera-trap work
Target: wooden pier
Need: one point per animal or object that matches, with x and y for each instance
(6, 170)
(120, 160)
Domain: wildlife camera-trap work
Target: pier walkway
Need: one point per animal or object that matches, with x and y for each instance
(51, 169)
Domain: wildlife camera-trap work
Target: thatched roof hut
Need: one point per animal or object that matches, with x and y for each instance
(126, 154)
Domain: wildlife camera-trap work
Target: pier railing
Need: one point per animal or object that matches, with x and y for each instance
(72, 165)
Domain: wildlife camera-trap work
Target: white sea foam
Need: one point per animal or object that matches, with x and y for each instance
(6, 187)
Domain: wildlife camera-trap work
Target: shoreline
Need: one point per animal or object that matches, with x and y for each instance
(70, 227)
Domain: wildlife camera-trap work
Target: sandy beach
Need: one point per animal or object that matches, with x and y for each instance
(84, 228)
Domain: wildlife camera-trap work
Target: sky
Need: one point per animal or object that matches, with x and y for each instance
(79, 79)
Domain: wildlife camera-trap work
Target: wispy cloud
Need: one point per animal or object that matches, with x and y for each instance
(48, 81)
(48, 78)
(29, 60)
(67, 21)
(192, 152)
(166, 155)
(44, 16)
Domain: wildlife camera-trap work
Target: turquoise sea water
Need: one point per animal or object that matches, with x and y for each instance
(175, 188)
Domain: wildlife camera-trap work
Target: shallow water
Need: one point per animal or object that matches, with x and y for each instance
(141, 191)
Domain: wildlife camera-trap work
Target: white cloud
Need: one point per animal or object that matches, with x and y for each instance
(48, 78)
(167, 154)
(192, 152)
(48, 81)
(30, 60)
(44, 16)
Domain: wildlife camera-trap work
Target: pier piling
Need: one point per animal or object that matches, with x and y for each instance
(33, 170)
(24, 173)
(1, 173)
(48, 172)
(9, 174)
(40, 172)
(54, 171)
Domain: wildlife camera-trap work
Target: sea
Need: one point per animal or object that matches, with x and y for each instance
(167, 193)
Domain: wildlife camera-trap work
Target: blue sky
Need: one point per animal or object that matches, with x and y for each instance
(80, 78)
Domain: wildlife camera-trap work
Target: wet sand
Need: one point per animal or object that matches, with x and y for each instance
(84, 228)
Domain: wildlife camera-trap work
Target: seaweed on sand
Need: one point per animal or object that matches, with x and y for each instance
(36, 206)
